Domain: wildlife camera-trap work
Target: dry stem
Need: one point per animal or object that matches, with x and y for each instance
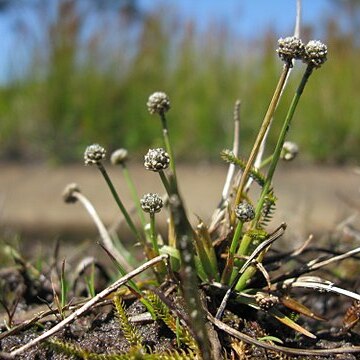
(87, 306)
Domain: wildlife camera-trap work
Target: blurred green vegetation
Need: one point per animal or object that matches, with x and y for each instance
(78, 92)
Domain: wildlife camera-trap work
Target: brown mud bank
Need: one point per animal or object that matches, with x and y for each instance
(310, 198)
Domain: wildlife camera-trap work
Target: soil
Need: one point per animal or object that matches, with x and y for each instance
(99, 332)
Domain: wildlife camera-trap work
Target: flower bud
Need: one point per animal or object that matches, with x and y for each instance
(158, 103)
(156, 159)
(289, 151)
(266, 301)
(290, 48)
(68, 193)
(119, 157)
(94, 154)
(315, 53)
(245, 212)
(151, 203)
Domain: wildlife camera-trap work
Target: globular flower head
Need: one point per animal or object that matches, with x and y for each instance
(94, 154)
(289, 151)
(290, 48)
(68, 193)
(315, 53)
(151, 203)
(158, 103)
(245, 212)
(156, 159)
(119, 156)
(266, 301)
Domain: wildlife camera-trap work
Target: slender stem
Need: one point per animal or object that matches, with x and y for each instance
(245, 242)
(275, 159)
(168, 143)
(235, 240)
(248, 273)
(235, 150)
(106, 239)
(229, 266)
(165, 181)
(266, 162)
(88, 305)
(242, 250)
(119, 203)
(134, 193)
(280, 143)
(264, 126)
(153, 234)
(189, 278)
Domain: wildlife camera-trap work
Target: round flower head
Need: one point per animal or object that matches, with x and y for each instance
(289, 151)
(156, 159)
(151, 203)
(119, 156)
(266, 301)
(245, 212)
(68, 193)
(158, 103)
(315, 53)
(290, 48)
(94, 154)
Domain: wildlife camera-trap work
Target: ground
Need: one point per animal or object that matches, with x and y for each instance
(311, 200)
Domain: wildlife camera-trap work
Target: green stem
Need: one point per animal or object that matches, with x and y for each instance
(242, 251)
(165, 182)
(168, 143)
(64, 286)
(132, 284)
(229, 266)
(266, 162)
(264, 126)
(280, 143)
(248, 274)
(235, 240)
(134, 194)
(241, 284)
(119, 203)
(245, 242)
(188, 277)
(153, 234)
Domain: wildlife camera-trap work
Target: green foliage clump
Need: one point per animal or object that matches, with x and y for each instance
(88, 88)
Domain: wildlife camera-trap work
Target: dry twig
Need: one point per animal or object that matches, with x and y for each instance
(296, 351)
(88, 305)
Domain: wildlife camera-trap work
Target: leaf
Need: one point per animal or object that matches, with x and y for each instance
(204, 235)
(278, 315)
(300, 308)
(130, 332)
(268, 209)
(271, 338)
(228, 156)
(163, 312)
(174, 256)
(206, 254)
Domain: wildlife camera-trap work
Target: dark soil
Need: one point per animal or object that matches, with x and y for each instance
(99, 330)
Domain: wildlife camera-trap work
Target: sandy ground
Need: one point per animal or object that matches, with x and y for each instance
(310, 198)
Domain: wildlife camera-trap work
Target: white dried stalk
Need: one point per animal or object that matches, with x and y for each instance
(88, 305)
(318, 265)
(106, 239)
(235, 150)
(317, 283)
(260, 153)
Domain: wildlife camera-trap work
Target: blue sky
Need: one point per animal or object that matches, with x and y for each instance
(245, 17)
(248, 17)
